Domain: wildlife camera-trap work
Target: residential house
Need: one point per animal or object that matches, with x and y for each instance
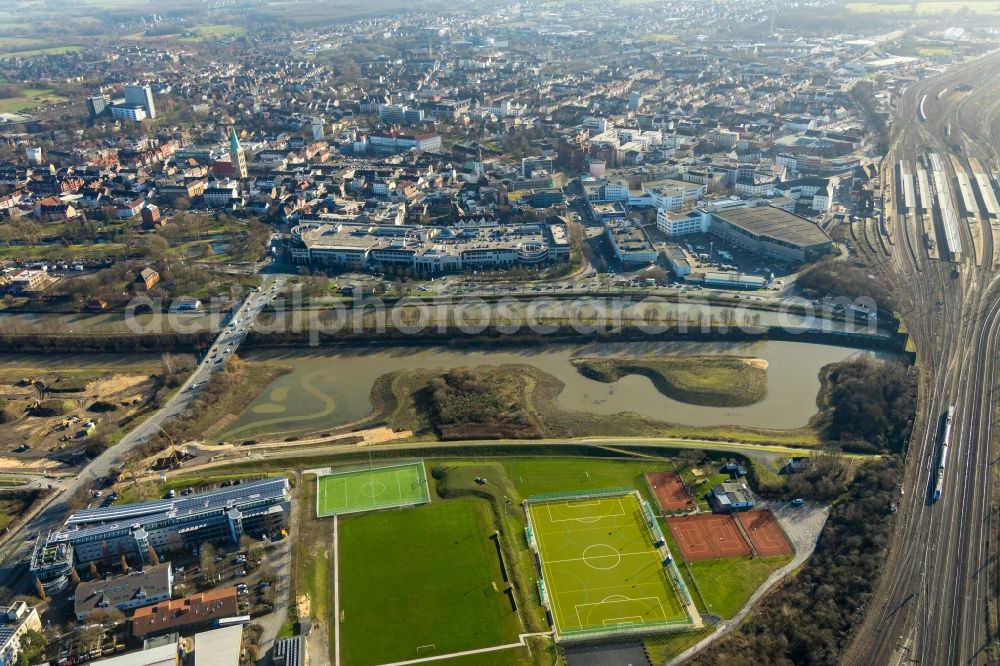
(151, 217)
(198, 609)
(147, 278)
(53, 209)
(133, 590)
(128, 208)
(18, 619)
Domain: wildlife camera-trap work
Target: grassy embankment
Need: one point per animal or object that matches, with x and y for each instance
(528, 398)
(15, 503)
(226, 397)
(716, 381)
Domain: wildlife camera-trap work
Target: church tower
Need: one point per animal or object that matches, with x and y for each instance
(236, 156)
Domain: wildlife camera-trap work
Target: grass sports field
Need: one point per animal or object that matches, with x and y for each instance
(420, 583)
(371, 489)
(600, 567)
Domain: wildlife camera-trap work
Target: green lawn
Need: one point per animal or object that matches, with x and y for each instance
(700, 485)
(600, 567)
(720, 381)
(372, 489)
(877, 8)
(728, 584)
(664, 647)
(57, 251)
(203, 32)
(50, 50)
(549, 475)
(32, 97)
(989, 7)
(661, 37)
(421, 582)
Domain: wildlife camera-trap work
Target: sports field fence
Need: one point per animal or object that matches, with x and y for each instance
(578, 494)
(622, 630)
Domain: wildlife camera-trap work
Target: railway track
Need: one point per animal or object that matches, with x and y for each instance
(936, 592)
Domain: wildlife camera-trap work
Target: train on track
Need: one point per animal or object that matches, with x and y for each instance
(943, 460)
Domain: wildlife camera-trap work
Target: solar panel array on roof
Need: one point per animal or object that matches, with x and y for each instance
(120, 519)
(273, 487)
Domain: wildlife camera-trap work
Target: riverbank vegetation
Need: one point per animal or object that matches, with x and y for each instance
(223, 398)
(522, 398)
(868, 405)
(15, 503)
(470, 403)
(715, 381)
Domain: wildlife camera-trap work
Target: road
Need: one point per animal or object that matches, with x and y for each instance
(228, 340)
(934, 601)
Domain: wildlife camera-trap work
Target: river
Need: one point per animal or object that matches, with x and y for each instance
(327, 389)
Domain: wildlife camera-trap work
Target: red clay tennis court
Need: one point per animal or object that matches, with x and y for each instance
(670, 492)
(708, 536)
(765, 533)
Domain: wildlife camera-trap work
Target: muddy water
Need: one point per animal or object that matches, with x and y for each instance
(328, 389)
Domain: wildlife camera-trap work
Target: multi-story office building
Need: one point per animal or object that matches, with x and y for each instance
(220, 516)
(97, 104)
(428, 249)
(141, 95)
(128, 113)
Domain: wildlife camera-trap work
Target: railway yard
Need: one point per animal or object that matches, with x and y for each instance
(935, 602)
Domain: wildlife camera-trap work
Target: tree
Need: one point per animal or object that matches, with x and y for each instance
(207, 561)
(690, 457)
(154, 559)
(32, 647)
(90, 637)
(153, 246)
(253, 550)
(267, 573)
(93, 570)
(132, 466)
(182, 203)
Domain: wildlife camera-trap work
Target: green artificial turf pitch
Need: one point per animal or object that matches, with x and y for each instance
(600, 567)
(371, 489)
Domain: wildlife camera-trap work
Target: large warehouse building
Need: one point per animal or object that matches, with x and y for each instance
(771, 232)
(220, 516)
